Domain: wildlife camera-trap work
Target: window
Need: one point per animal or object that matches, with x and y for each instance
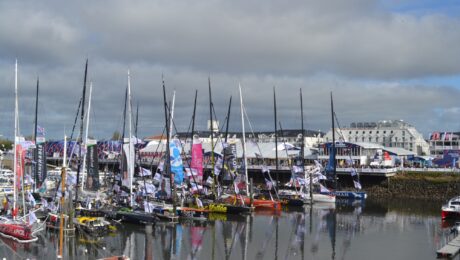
(376, 139)
(370, 132)
(364, 132)
(370, 139)
(403, 133)
(363, 139)
(356, 132)
(349, 132)
(377, 132)
(391, 131)
(356, 139)
(384, 132)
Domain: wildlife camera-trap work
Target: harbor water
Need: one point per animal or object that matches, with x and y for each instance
(383, 229)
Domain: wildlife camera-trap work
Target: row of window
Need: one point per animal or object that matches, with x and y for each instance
(377, 132)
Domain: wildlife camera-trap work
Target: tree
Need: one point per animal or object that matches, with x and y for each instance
(6, 144)
(116, 135)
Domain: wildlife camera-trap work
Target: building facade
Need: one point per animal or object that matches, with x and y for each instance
(388, 133)
(442, 141)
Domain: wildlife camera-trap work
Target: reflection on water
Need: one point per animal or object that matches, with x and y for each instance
(374, 230)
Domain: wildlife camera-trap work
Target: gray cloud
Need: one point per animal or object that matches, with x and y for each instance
(363, 53)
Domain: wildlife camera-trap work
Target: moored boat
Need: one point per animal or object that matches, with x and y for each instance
(451, 209)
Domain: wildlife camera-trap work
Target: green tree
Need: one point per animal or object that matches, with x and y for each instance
(116, 135)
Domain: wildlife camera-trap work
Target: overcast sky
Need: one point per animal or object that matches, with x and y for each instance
(381, 60)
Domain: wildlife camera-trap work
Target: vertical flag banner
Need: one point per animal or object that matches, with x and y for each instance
(197, 160)
(92, 171)
(176, 161)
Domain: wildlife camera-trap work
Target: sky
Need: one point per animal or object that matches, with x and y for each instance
(380, 59)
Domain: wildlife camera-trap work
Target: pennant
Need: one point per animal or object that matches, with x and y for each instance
(144, 172)
(176, 161)
(157, 177)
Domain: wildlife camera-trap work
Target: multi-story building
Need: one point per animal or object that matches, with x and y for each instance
(442, 141)
(388, 133)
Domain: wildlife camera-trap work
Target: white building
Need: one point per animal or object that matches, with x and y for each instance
(442, 141)
(388, 133)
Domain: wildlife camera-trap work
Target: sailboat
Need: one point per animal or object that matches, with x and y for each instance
(331, 169)
(130, 213)
(16, 228)
(248, 199)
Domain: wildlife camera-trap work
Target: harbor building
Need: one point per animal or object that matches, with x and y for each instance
(387, 133)
(442, 141)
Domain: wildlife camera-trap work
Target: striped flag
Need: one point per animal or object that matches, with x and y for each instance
(40, 131)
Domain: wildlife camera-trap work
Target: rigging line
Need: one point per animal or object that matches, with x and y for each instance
(287, 154)
(260, 150)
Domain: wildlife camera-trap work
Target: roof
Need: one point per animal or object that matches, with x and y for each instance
(399, 151)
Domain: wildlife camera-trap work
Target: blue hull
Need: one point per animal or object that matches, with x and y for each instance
(356, 195)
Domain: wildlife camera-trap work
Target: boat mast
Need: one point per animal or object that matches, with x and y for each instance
(168, 154)
(16, 126)
(63, 181)
(81, 131)
(303, 148)
(35, 139)
(333, 145)
(191, 138)
(171, 118)
(130, 166)
(212, 139)
(244, 141)
(276, 137)
(228, 119)
(86, 133)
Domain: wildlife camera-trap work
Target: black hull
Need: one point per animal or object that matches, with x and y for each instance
(140, 218)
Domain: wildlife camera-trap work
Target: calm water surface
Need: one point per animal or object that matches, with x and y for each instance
(396, 229)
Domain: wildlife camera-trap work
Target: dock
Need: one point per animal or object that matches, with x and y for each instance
(451, 249)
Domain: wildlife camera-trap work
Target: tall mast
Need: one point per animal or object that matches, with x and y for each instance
(171, 118)
(212, 137)
(81, 131)
(276, 137)
(333, 144)
(130, 166)
(228, 119)
(302, 151)
(35, 138)
(16, 126)
(191, 137)
(168, 154)
(244, 140)
(86, 133)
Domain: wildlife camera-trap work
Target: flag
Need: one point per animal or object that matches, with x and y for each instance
(218, 166)
(32, 218)
(199, 203)
(323, 189)
(197, 159)
(40, 131)
(144, 172)
(209, 181)
(150, 188)
(157, 177)
(176, 161)
(44, 203)
(297, 169)
(269, 184)
(148, 207)
(161, 165)
(357, 185)
(28, 179)
(31, 198)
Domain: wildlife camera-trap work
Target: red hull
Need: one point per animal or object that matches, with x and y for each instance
(19, 231)
(257, 203)
(450, 214)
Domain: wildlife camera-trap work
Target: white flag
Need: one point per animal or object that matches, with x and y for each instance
(357, 185)
(144, 172)
(32, 218)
